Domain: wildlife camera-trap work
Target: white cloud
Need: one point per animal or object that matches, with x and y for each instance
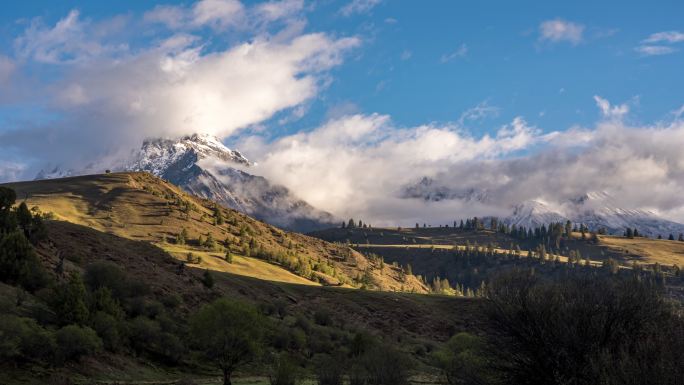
(559, 30)
(654, 50)
(358, 165)
(481, 111)
(359, 6)
(217, 14)
(175, 86)
(67, 42)
(222, 15)
(665, 37)
(609, 111)
(275, 10)
(359, 162)
(462, 51)
(10, 171)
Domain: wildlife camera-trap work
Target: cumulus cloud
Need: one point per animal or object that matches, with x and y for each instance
(359, 6)
(559, 30)
(355, 165)
(360, 165)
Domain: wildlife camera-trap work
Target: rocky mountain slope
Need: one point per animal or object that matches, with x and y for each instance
(203, 166)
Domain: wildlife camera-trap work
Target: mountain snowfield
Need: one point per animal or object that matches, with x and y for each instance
(202, 165)
(595, 209)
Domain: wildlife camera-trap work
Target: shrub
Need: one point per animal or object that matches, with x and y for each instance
(583, 330)
(464, 360)
(322, 317)
(108, 329)
(386, 366)
(22, 339)
(284, 372)
(143, 333)
(109, 275)
(74, 342)
(330, 371)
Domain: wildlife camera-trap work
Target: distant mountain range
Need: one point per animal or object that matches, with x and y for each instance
(595, 209)
(203, 166)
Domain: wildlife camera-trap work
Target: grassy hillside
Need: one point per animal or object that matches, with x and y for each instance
(644, 251)
(142, 207)
(467, 258)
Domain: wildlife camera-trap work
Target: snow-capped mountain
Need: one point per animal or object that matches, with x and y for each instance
(595, 209)
(429, 190)
(203, 166)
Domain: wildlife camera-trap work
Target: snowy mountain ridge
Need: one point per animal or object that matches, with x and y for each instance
(180, 161)
(595, 209)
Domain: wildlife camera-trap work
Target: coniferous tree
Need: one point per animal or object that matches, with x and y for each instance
(207, 279)
(671, 237)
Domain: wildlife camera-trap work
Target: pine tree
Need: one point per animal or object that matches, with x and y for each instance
(671, 237)
(70, 301)
(207, 279)
(218, 216)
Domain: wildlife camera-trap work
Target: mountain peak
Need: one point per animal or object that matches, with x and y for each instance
(158, 154)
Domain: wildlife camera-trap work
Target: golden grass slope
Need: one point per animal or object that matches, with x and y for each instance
(142, 207)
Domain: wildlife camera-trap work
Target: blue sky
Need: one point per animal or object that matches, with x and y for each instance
(320, 90)
(401, 67)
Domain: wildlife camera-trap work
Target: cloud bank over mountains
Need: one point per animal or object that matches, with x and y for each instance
(109, 91)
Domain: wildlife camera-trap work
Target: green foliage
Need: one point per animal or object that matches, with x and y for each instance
(19, 263)
(464, 360)
(75, 341)
(218, 216)
(584, 330)
(102, 301)
(207, 279)
(69, 301)
(105, 274)
(8, 221)
(382, 365)
(109, 329)
(228, 333)
(22, 339)
(284, 372)
(330, 370)
(209, 243)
